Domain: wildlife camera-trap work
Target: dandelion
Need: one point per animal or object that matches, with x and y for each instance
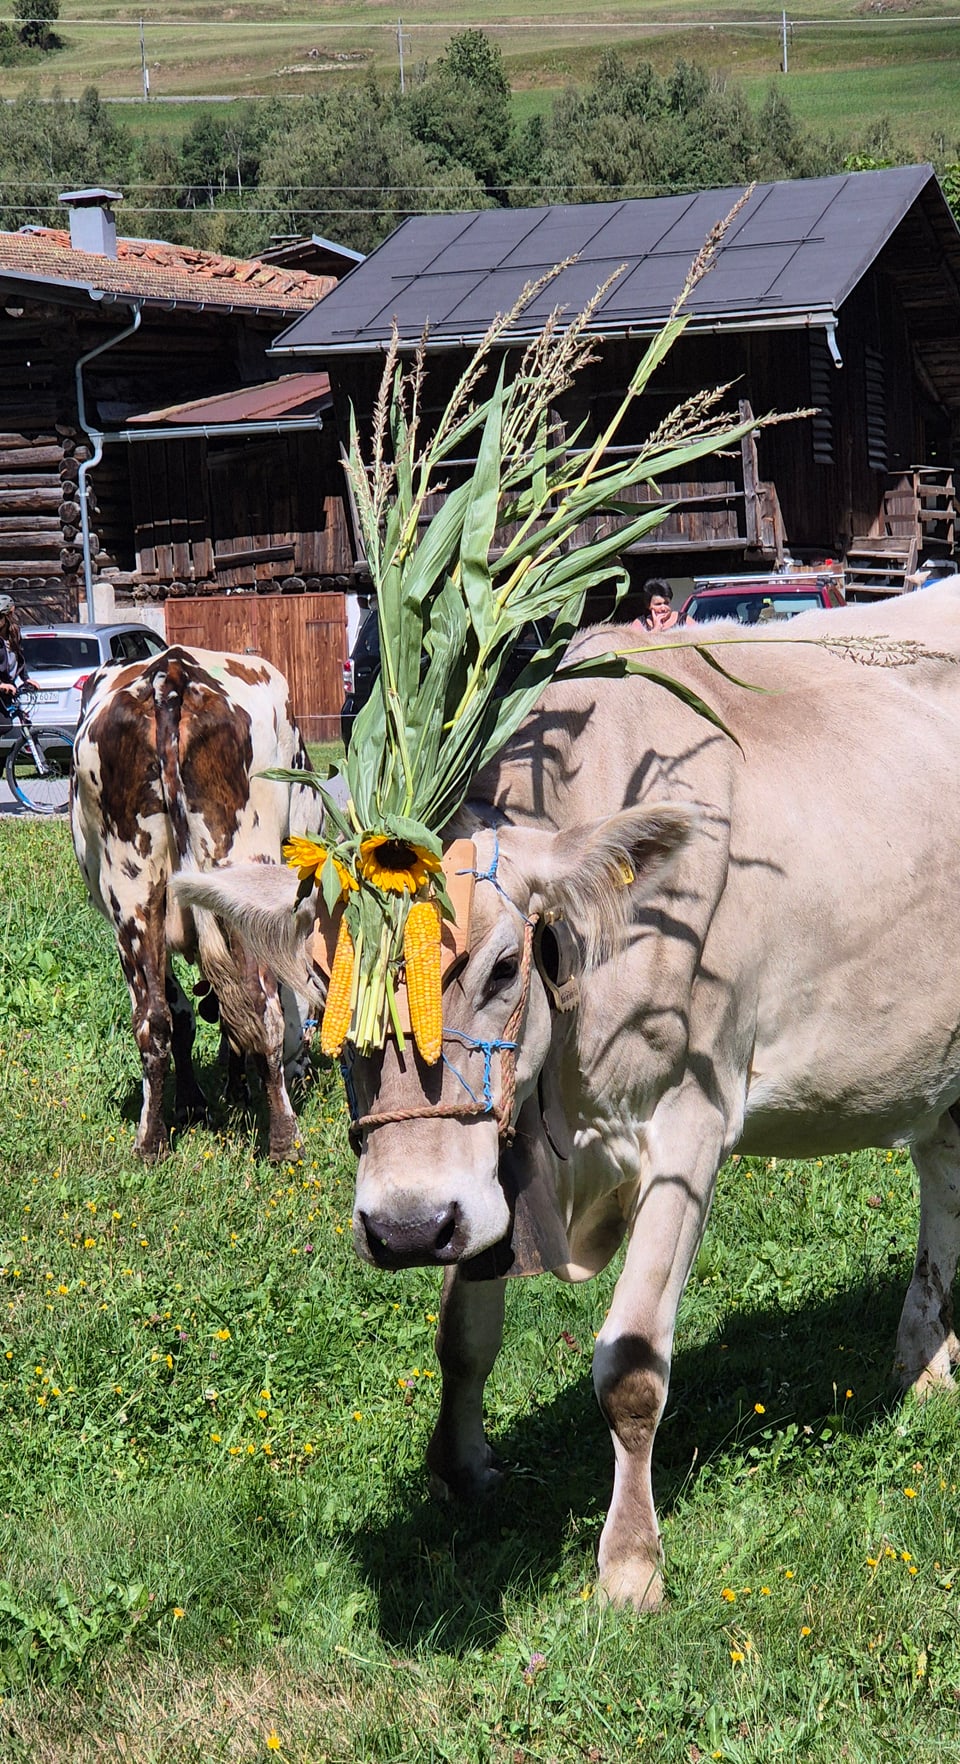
(216, 1438)
(358, 1414)
(729, 1594)
(788, 1574)
(905, 1556)
(736, 1657)
(759, 1409)
(586, 1592)
(805, 1629)
(222, 1335)
(910, 1493)
(273, 1742)
(911, 1569)
(765, 1592)
(178, 1612)
(308, 1448)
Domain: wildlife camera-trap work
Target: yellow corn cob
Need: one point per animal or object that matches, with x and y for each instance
(421, 953)
(336, 1011)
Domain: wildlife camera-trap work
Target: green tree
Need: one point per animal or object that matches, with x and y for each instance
(459, 110)
(36, 17)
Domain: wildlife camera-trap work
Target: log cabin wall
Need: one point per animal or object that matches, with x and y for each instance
(160, 521)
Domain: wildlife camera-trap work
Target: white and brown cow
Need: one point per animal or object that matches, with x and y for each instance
(167, 759)
(770, 960)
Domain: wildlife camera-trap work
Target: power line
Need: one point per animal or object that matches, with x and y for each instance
(621, 25)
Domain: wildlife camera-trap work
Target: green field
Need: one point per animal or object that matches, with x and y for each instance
(850, 62)
(217, 1545)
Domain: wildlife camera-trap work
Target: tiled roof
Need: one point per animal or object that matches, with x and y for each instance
(150, 270)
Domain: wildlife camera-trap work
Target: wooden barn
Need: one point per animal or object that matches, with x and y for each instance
(839, 293)
(229, 482)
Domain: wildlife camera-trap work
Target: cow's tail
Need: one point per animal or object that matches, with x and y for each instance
(170, 680)
(223, 958)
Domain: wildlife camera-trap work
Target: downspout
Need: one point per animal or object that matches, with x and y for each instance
(95, 437)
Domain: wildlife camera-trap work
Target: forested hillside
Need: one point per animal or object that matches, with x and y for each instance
(350, 164)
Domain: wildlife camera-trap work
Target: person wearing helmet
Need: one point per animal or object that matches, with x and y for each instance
(13, 665)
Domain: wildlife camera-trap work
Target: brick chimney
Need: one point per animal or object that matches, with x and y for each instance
(93, 224)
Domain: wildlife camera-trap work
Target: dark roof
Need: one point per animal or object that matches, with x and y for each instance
(292, 396)
(155, 272)
(796, 250)
(321, 257)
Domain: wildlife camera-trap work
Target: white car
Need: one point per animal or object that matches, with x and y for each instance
(60, 658)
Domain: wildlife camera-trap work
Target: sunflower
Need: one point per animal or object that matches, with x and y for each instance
(394, 865)
(308, 858)
(304, 855)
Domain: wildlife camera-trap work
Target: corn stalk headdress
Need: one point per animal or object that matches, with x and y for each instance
(452, 596)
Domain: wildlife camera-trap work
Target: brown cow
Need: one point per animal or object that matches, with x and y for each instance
(167, 759)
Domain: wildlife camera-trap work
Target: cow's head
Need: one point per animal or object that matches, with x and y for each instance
(430, 1188)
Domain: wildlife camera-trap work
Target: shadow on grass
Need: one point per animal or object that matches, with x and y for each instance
(441, 1573)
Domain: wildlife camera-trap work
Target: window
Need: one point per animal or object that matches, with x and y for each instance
(130, 646)
(822, 371)
(875, 391)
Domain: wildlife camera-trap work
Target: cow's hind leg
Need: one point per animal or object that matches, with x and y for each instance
(190, 1103)
(140, 940)
(631, 1368)
(460, 1461)
(927, 1345)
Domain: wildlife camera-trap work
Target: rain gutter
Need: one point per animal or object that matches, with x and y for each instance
(95, 437)
(799, 318)
(215, 431)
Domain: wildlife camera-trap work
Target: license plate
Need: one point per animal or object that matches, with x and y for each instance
(47, 698)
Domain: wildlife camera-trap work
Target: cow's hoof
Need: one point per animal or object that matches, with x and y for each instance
(193, 1112)
(286, 1151)
(151, 1151)
(637, 1583)
(464, 1483)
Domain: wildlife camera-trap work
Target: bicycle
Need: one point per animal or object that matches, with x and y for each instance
(38, 764)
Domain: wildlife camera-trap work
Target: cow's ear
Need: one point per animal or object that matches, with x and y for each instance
(259, 901)
(597, 874)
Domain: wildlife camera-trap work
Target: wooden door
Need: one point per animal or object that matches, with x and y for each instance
(304, 635)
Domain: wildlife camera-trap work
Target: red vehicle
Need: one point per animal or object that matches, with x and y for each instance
(752, 600)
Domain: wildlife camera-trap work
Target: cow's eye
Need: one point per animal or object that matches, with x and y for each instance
(500, 975)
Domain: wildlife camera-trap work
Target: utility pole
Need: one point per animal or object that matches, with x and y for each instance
(144, 70)
(784, 28)
(400, 53)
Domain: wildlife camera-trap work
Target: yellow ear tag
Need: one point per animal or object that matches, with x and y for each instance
(626, 876)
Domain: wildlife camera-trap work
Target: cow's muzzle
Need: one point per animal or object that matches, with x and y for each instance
(433, 1242)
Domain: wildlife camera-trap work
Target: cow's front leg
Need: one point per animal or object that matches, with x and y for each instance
(631, 1367)
(927, 1346)
(469, 1335)
(190, 1104)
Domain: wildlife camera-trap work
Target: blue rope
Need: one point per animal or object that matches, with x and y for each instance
(488, 1049)
(490, 875)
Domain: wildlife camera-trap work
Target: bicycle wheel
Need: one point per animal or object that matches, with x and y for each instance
(41, 781)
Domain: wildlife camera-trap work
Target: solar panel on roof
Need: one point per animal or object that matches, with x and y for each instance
(802, 245)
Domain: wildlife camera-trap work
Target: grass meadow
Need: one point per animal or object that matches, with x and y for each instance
(851, 61)
(215, 1539)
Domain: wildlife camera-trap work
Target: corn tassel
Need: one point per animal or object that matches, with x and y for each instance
(421, 954)
(337, 1010)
